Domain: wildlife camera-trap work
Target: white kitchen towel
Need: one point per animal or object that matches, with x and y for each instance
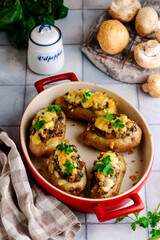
(27, 212)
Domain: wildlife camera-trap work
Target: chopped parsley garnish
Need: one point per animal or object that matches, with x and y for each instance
(40, 124)
(86, 95)
(109, 117)
(117, 124)
(150, 221)
(53, 108)
(66, 147)
(105, 166)
(70, 166)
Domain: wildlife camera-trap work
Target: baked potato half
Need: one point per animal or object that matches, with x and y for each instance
(67, 169)
(114, 132)
(47, 130)
(108, 173)
(84, 104)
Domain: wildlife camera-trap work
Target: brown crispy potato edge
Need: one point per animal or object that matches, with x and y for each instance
(73, 191)
(78, 112)
(41, 149)
(120, 144)
(116, 188)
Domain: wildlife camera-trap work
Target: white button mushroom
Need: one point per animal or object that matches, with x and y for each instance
(112, 36)
(146, 21)
(147, 54)
(152, 86)
(157, 32)
(124, 10)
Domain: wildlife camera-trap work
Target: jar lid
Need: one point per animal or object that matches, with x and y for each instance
(45, 34)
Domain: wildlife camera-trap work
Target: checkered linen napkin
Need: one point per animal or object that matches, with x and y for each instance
(26, 211)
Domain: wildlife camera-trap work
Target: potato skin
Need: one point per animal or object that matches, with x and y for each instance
(79, 112)
(41, 149)
(115, 190)
(116, 144)
(73, 190)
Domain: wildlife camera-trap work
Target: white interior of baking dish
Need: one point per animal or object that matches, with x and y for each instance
(139, 161)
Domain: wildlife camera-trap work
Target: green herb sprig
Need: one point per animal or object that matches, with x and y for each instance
(18, 17)
(40, 124)
(70, 166)
(105, 166)
(86, 95)
(64, 146)
(53, 108)
(117, 123)
(109, 117)
(152, 219)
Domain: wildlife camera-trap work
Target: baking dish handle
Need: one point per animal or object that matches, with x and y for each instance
(39, 85)
(103, 215)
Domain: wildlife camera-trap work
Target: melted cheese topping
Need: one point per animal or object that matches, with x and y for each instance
(50, 117)
(104, 125)
(110, 183)
(63, 157)
(96, 100)
(113, 157)
(109, 179)
(68, 185)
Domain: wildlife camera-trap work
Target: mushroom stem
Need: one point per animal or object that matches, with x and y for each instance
(145, 87)
(152, 48)
(152, 86)
(157, 32)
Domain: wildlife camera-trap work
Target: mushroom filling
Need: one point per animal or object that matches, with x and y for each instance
(47, 125)
(69, 166)
(71, 177)
(101, 185)
(119, 127)
(87, 99)
(102, 181)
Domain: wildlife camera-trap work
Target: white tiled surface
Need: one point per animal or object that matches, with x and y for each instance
(17, 89)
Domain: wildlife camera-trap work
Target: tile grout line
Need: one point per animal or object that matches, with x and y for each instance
(82, 12)
(137, 89)
(25, 85)
(145, 192)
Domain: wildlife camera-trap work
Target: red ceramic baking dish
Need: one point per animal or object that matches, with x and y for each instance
(139, 163)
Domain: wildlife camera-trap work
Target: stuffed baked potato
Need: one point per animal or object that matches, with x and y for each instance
(67, 169)
(84, 104)
(108, 173)
(47, 130)
(114, 132)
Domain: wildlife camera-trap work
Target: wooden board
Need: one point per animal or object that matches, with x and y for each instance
(122, 66)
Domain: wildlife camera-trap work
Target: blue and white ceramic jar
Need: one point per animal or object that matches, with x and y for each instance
(45, 50)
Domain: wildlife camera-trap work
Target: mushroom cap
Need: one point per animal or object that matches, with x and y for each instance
(124, 10)
(153, 85)
(146, 21)
(112, 36)
(147, 54)
(157, 32)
